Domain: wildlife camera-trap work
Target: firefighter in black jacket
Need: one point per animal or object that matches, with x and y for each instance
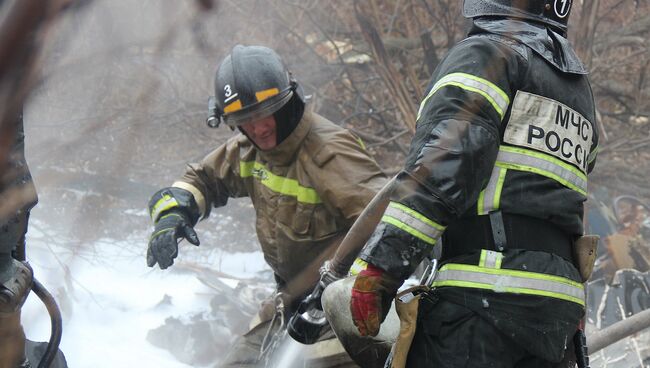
(497, 170)
(17, 197)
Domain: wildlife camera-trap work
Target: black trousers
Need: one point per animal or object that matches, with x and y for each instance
(451, 335)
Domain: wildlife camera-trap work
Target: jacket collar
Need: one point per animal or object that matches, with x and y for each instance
(285, 152)
(545, 42)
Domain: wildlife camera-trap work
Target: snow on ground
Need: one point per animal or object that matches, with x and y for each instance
(109, 297)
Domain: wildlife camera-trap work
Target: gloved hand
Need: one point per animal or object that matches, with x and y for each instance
(174, 213)
(372, 293)
(169, 230)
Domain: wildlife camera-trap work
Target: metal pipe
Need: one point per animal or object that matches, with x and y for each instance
(618, 331)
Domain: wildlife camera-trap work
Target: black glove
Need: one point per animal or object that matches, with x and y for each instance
(174, 212)
(163, 244)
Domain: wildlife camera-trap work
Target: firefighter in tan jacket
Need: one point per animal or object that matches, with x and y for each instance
(307, 178)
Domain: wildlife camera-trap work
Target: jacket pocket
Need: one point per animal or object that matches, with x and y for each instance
(294, 217)
(305, 221)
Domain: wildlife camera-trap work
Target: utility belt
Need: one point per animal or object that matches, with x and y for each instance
(470, 234)
(493, 234)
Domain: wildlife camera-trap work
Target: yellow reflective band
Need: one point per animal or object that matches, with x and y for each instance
(490, 198)
(263, 95)
(490, 259)
(360, 141)
(358, 266)
(481, 261)
(496, 202)
(232, 107)
(278, 184)
(159, 232)
(412, 222)
(165, 203)
(492, 93)
(400, 225)
(480, 208)
(499, 260)
(510, 281)
(512, 290)
(522, 159)
(417, 215)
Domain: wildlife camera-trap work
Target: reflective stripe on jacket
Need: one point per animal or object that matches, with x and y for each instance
(499, 129)
(489, 275)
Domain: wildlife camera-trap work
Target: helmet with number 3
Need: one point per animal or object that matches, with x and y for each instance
(251, 83)
(554, 13)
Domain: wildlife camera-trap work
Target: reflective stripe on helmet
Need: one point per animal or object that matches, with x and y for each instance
(412, 222)
(269, 106)
(232, 107)
(277, 183)
(263, 95)
(493, 94)
(250, 84)
(510, 281)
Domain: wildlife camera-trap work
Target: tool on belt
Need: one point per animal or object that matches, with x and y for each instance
(584, 256)
(407, 303)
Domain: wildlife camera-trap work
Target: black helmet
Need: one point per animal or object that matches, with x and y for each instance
(554, 13)
(251, 83)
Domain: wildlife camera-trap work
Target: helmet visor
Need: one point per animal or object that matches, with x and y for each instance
(258, 110)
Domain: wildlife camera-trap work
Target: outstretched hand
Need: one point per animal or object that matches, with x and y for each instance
(170, 229)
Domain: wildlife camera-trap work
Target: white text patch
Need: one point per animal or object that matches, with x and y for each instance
(549, 126)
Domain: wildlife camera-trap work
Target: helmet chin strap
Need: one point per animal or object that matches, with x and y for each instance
(288, 117)
(247, 136)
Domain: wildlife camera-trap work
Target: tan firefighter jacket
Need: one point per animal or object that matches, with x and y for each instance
(307, 191)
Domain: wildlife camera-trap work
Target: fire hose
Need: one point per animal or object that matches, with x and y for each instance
(304, 326)
(56, 322)
(308, 323)
(52, 309)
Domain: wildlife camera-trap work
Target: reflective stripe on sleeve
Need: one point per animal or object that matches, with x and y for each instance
(522, 159)
(493, 94)
(165, 203)
(196, 193)
(412, 222)
(358, 266)
(510, 281)
(277, 183)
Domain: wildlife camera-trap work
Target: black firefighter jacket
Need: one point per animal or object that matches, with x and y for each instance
(508, 124)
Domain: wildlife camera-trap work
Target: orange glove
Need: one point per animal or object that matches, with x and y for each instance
(372, 294)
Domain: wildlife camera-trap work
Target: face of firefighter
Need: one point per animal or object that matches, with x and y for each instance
(262, 132)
